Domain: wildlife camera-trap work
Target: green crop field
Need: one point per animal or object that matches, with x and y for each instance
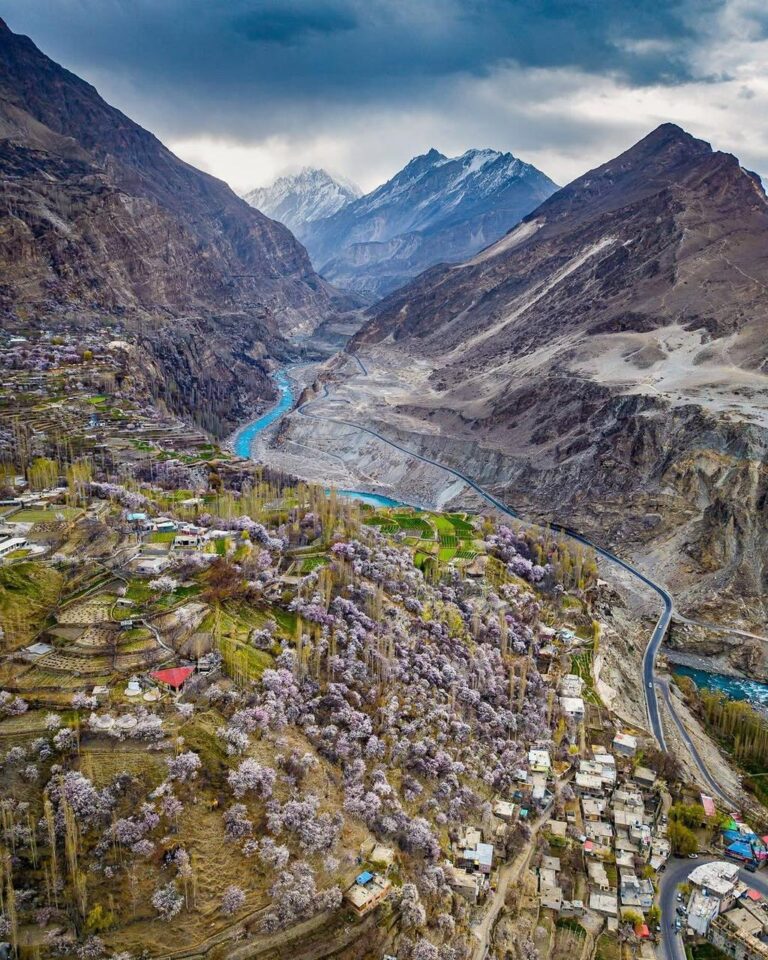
(51, 515)
(162, 536)
(581, 665)
(465, 554)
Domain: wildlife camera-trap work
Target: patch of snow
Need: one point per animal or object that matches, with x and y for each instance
(513, 239)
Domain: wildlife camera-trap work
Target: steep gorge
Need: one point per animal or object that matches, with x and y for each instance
(100, 224)
(602, 365)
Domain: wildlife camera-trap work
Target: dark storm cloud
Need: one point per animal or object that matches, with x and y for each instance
(239, 67)
(288, 26)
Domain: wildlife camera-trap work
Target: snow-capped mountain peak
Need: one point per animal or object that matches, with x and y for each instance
(300, 198)
(435, 209)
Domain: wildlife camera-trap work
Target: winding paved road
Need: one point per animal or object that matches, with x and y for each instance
(677, 872)
(712, 784)
(649, 657)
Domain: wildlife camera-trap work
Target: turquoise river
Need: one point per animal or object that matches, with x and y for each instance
(737, 689)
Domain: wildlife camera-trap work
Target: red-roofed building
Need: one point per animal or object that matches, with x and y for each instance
(754, 895)
(642, 931)
(709, 805)
(589, 846)
(175, 677)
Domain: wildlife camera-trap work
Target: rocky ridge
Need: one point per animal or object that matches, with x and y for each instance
(98, 220)
(436, 209)
(602, 364)
(301, 198)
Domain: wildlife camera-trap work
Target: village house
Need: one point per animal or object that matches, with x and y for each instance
(635, 891)
(640, 835)
(12, 544)
(470, 886)
(660, 851)
(593, 808)
(151, 565)
(539, 761)
(645, 778)
(188, 538)
(588, 784)
(473, 854)
(383, 857)
(504, 811)
(605, 903)
(607, 763)
(558, 828)
(625, 744)
(367, 892)
(596, 768)
(597, 875)
(571, 685)
(601, 834)
(572, 707)
(550, 893)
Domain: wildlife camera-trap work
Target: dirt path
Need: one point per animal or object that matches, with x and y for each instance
(507, 873)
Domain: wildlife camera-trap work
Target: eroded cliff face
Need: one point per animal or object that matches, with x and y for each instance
(604, 364)
(99, 222)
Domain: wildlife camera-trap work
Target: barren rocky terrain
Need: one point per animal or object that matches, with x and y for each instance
(603, 365)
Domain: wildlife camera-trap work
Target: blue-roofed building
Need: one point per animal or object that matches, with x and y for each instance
(367, 892)
(741, 850)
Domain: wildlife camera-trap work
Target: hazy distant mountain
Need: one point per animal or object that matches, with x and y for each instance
(301, 198)
(436, 209)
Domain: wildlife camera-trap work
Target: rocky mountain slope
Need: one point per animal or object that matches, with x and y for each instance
(436, 209)
(605, 363)
(98, 219)
(301, 198)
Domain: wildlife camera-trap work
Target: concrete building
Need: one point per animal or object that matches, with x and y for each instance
(589, 784)
(504, 811)
(720, 879)
(625, 744)
(539, 761)
(605, 903)
(645, 778)
(151, 565)
(367, 892)
(593, 808)
(635, 891)
(12, 543)
(572, 707)
(739, 934)
(715, 890)
(571, 685)
(468, 885)
(598, 876)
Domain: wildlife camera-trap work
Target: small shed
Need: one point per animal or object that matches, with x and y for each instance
(174, 677)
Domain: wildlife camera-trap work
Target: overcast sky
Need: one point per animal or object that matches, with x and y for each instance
(248, 89)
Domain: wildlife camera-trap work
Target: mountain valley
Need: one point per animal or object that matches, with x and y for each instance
(382, 576)
(601, 365)
(435, 209)
(99, 220)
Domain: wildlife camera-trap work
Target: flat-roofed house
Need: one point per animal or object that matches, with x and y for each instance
(367, 892)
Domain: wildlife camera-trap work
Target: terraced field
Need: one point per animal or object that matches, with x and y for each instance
(448, 537)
